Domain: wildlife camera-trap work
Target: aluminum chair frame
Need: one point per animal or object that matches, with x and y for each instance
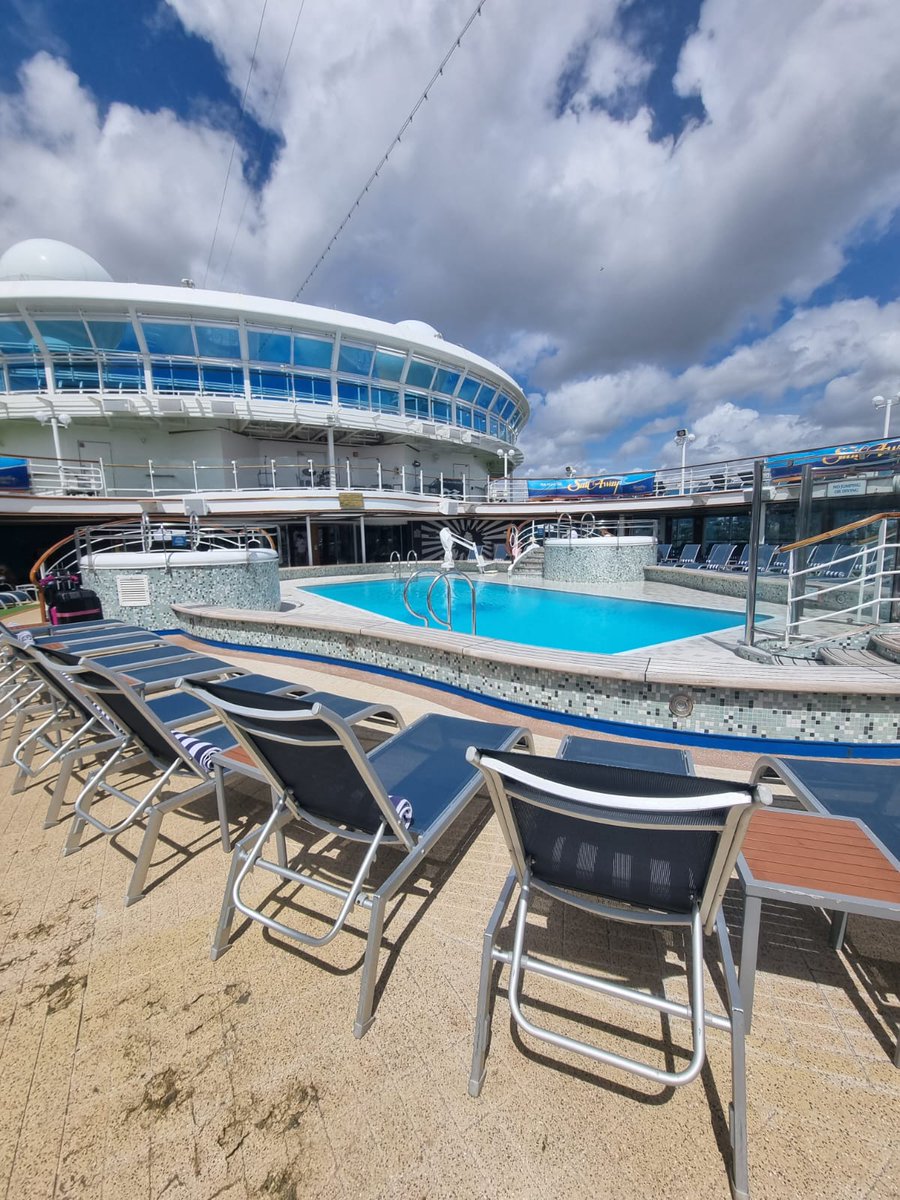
(599, 807)
(389, 831)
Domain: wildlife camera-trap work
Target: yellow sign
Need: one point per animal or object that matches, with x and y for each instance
(351, 500)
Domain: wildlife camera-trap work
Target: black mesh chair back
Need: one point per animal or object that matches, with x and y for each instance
(306, 752)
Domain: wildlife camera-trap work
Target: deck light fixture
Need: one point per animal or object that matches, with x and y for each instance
(887, 403)
(683, 439)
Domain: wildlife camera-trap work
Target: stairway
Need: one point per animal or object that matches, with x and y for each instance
(531, 565)
(881, 652)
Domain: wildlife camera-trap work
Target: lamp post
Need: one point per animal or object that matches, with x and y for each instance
(683, 439)
(887, 403)
(46, 416)
(506, 456)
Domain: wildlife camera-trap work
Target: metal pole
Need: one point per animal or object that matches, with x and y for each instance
(362, 538)
(309, 553)
(801, 556)
(349, 485)
(683, 459)
(234, 475)
(403, 477)
(380, 487)
(103, 486)
(312, 477)
(194, 468)
(756, 508)
(332, 469)
(272, 460)
(150, 468)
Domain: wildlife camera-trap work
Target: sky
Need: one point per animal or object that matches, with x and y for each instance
(655, 214)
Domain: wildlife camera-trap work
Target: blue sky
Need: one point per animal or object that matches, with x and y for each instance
(655, 214)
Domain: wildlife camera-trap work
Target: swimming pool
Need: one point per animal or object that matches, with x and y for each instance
(535, 617)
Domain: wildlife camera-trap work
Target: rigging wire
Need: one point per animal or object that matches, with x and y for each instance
(395, 142)
(234, 140)
(267, 124)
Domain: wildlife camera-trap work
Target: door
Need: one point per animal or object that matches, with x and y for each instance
(92, 452)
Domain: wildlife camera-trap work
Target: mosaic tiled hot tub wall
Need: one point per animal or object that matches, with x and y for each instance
(241, 585)
(606, 560)
(740, 712)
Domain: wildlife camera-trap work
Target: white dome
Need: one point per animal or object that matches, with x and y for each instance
(44, 258)
(418, 329)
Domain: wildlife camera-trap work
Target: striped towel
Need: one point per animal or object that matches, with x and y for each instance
(201, 752)
(25, 637)
(403, 809)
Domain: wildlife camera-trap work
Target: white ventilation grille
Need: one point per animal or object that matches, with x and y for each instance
(133, 591)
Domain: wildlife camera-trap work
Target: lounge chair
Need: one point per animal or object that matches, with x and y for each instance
(688, 555)
(643, 847)
(404, 794)
(663, 553)
(842, 564)
(764, 556)
(627, 754)
(719, 557)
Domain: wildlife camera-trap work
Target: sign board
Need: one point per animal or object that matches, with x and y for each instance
(846, 487)
(351, 500)
(14, 473)
(638, 483)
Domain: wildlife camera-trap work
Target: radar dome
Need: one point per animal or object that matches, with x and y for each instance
(418, 329)
(44, 258)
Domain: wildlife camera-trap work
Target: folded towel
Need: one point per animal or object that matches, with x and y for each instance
(403, 809)
(201, 752)
(25, 637)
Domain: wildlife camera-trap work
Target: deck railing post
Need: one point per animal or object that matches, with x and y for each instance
(103, 487)
(234, 475)
(403, 477)
(380, 487)
(349, 485)
(272, 461)
(150, 469)
(194, 470)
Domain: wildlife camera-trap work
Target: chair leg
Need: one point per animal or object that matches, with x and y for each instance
(364, 1017)
(66, 767)
(483, 1011)
(749, 951)
(228, 909)
(737, 1114)
(142, 864)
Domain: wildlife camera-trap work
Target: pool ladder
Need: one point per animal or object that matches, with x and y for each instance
(396, 562)
(422, 572)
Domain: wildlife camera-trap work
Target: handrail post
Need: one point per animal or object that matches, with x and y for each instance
(380, 488)
(421, 481)
(274, 486)
(347, 462)
(194, 470)
(441, 479)
(103, 487)
(403, 477)
(789, 615)
(150, 468)
(464, 486)
(753, 555)
(234, 475)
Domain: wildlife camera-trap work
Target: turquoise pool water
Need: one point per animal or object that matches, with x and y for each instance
(534, 617)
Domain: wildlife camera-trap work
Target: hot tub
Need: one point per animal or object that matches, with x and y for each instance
(598, 559)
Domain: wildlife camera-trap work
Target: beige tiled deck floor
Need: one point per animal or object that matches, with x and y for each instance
(131, 1066)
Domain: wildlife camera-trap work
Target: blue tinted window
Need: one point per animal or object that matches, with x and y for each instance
(485, 396)
(313, 352)
(308, 388)
(480, 420)
(15, 338)
(227, 381)
(269, 347)
(355, 395)
(169, 339)
(175, 377)
(75, 376)
(446, 381)
(126, 374)
(64, 335)
(385, 399)
(415, 405)
(494, 426)
(464, 416)
(441, 410)
(420, 374)
(469, 390)
(27, 377)
(218, 341)
(113, 335)
(272, 385)
(355, 360)
(388, 366)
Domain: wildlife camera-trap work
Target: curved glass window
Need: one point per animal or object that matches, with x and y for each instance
(310, 389)
(464, 416)
(313, 352)
(27, 377)
(15, 338)
(485, 395)
(388, 366)
(415, 405)
(385, 400)
(420, 374)
(114, 335)
(480, 420)
(494, 426)
(270, 385)
(268, 346)
(126, 374)
(75, 376)
(442, 410)
(445, 381)
(355, 360)
(175, 377)
(218, 341)
(354, 395)
(223, 381)
(169, 339)
(64, 335)
(469, 389)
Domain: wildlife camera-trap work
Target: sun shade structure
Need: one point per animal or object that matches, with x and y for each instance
(405, 794)
(649, 848)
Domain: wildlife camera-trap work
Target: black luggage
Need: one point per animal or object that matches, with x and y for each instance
(67, 601)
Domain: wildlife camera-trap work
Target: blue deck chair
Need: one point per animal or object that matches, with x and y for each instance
(663, 553)
(643, 847)
(764, 557)
(778, 563)
(688, 555)
(406, 793)
(719, 556)
(627, 754)
(835, 571)
(106, 641)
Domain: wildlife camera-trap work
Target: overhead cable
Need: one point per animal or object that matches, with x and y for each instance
(267, 124)
(234, 140)
(394, 143)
